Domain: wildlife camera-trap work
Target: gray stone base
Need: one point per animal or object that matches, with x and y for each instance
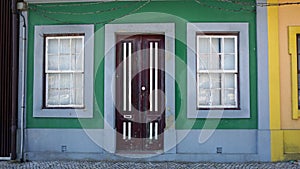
(33, 156)
(191, 146)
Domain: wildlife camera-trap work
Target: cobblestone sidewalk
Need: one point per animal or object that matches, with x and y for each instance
(142, 165)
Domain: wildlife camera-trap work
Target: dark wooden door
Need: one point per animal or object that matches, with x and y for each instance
(9, 64)
(140, 100)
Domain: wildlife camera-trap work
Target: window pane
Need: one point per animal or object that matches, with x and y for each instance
(298, 89)
(216, 45)
(79, 96)
(229, 62)
(203, 81)
(65, 89)
(78, 80)
(64, 96)
(72, 80)
(229, 81)
(53, 81)
(298, 98)
(65, 46)
(73, 62)
(79, 62)
(215, 80)
(204, 97)
(52, 46)
(76, 62)
(52, 62)
(298, 56)
(65, 81)
(298, 44)
(229, 97)
(64, 62)
(298, 81)
(229, 45)
(209, 89)
(203, 45)
(216, 97)
(72, 96)
(203, 62)
(207, 81)
(53, 97)
(76, 45)
(214, 62)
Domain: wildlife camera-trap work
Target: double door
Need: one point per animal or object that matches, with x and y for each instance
(140, 99)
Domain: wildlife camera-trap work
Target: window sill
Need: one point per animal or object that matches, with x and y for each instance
(63, 113)
(219, 114)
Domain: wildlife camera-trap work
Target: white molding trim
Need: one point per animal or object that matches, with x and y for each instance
(243, 59)
(38, 110)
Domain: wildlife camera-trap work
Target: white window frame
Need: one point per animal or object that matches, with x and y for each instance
(40, 57)
(220, 71)
(243, 110)
(60, 72)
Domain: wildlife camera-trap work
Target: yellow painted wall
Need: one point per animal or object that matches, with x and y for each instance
(274, 85)
(285, 132)
(274, 77)
(288, 16)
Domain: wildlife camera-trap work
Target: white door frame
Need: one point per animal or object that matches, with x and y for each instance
(167, 29)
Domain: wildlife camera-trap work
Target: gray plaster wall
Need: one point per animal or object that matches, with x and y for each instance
(74, 140)
(230, 141)
(263, 141)
(237, 145)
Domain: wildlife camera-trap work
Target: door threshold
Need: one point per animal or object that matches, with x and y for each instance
(5, 158)
(139, 152)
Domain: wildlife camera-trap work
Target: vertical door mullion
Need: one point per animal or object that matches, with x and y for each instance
(151, 77)
(124, 76)
(151, 131)
(129, 75)
(156, 131)
(129, 130)
(124, 130)
(156, 77)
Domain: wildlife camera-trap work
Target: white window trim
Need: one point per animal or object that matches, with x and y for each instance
(218, 71)
(49, 72)
(40, 31)
(244, 91)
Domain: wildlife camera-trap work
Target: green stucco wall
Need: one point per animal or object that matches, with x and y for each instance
(178, 12)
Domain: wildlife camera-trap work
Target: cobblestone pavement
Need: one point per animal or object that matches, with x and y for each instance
(142, 165)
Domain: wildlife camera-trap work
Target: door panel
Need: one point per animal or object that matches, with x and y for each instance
(140, 105)
(8, 79)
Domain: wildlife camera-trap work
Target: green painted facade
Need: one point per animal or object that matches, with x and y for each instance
(178, 12)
